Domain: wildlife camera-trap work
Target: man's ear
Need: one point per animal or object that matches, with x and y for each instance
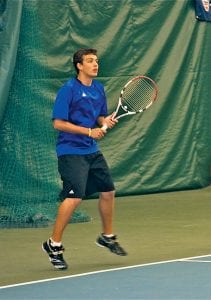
(79, 66)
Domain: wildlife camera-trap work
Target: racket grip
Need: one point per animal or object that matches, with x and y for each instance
(104, 127)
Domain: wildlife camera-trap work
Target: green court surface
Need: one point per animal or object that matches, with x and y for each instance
(152, 228)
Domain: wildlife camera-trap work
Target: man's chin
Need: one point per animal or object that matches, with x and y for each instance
(94, 74)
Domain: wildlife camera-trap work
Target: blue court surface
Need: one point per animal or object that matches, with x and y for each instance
(188, 278)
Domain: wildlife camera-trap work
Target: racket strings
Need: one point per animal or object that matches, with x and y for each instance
(138, 95)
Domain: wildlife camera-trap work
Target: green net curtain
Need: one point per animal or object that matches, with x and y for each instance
(167, 148)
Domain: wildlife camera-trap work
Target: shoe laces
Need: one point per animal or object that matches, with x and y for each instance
(57, 250)
(110, 240)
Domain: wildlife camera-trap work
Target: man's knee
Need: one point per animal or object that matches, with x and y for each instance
(108, 195)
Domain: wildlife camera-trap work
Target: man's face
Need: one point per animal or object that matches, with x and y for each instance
(89, 66)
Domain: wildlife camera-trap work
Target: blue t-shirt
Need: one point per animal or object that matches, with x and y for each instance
(80, 105)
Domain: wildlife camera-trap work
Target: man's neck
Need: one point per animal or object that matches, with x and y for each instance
(85, 80)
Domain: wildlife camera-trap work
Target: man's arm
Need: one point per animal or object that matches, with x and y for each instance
(61, 125)
(69, 127)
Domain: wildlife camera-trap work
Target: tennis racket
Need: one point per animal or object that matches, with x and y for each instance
(137, 95)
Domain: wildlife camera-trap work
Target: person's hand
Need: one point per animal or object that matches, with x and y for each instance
(110, 121)
(97, 133)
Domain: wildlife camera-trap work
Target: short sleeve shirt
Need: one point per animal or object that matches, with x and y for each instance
(80, 105)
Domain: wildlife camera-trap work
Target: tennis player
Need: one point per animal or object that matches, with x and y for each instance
(80, 110)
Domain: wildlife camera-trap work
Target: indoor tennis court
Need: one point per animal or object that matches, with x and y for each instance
(161, 231)
(160, 159)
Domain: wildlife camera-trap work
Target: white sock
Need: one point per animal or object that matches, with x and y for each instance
(55, 244)
(108, 235)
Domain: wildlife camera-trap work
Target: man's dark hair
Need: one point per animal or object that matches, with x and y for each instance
(78, 56)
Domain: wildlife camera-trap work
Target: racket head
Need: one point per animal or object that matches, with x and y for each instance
(138, 94)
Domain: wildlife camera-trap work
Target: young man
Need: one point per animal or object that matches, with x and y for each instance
(80, 110)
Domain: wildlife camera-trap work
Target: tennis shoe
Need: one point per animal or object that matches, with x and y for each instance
(111, 243)
(55, 255)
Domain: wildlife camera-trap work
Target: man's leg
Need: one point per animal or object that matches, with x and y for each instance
(53, 246)
(107, 238)
(106, 209)
(65, 212)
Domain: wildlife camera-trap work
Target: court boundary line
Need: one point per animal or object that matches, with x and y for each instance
(187, 259)
(196, 260)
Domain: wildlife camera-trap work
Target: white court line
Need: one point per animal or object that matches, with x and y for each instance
(196, 260)
(189, 259)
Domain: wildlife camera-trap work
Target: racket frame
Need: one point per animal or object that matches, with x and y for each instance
(127, 112)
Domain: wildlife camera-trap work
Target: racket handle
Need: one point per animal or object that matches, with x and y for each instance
(104, 127)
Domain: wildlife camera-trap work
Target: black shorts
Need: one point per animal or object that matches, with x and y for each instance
(83, 175)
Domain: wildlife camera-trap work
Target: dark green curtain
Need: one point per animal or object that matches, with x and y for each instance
(167, 148)
(10, 17)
